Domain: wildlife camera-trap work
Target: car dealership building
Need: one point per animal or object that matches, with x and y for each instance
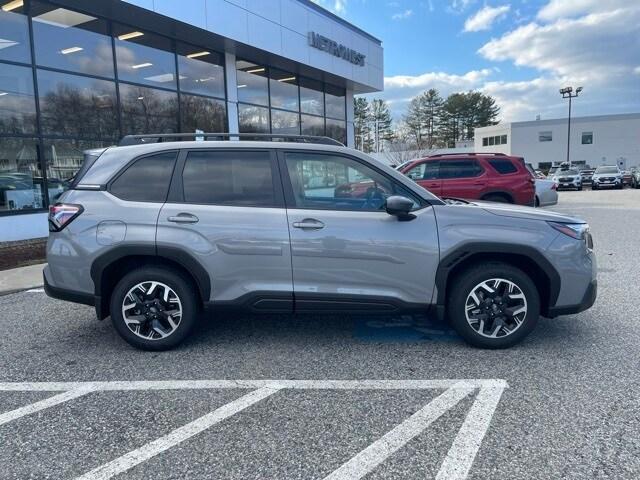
(77, 74)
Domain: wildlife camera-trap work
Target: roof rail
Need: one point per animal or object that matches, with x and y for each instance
(498, 154)
(167, 137)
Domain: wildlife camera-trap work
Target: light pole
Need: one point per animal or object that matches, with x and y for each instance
(567, 92)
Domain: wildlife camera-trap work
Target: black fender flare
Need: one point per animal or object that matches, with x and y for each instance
(468, 249)
(175, 254)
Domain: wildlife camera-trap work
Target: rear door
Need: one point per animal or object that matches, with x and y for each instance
(426, 174)
(226, 209)
(347, 252)
(462, 178)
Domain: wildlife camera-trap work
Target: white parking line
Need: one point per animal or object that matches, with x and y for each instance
(144, 453)
(376, 453)
(41, 405)
(463, 451)
(456, 465)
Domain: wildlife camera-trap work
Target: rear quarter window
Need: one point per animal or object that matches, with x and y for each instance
(502, 165)
(146, 179)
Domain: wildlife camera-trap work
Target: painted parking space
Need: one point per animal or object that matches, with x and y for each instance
(73, 402)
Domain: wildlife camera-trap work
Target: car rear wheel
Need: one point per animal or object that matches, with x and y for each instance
(493, 305)
(154, 308)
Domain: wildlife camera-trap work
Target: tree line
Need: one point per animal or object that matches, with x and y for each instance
(429, 122)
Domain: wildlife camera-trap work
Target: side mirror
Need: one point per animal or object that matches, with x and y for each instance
(400, 207)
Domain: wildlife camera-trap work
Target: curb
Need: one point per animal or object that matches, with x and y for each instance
(18, 290)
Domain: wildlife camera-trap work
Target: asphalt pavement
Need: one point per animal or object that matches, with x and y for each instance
(333, 396)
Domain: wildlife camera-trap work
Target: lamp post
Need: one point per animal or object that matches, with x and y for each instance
(567, 92)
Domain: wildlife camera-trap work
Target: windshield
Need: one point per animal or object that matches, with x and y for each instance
(607, 170)
(567, 172)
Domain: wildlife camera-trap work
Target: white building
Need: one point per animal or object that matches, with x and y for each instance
(596, 140)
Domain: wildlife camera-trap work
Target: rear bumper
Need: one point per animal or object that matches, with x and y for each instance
(68, 295)
(587, 302)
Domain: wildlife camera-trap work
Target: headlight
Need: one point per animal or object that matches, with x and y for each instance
(573, 230)
(579, 231)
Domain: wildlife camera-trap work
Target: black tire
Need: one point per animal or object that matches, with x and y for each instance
(465, 282)
(579, 189)
(183, 288)
(594, 187)
(496, 197)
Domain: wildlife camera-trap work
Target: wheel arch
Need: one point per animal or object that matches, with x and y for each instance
(109, 268)
(498, 193)
(528, 259)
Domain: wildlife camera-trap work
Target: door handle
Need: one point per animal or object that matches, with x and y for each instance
(184, 218)
(309, 224)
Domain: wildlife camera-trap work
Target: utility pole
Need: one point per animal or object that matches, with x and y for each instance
(567, 92)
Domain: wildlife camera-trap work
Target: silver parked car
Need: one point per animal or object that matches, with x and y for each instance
(607, 176)
(151, 233)
(546, 192)
(568, 179)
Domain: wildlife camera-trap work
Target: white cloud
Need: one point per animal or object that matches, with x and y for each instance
(557, 9)
(459, 6)
(402, 15)
(637, 70)
(339, 7)
(484, 18)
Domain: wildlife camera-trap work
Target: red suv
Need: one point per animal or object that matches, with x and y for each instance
(475, 176)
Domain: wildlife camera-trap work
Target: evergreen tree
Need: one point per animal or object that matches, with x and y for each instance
(361, 124)
(380, 121)
(423, 116)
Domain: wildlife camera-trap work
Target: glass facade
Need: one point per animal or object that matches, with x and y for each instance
(90, 82)
(276, 101)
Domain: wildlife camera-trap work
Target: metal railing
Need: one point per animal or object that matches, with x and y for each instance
(167, 137)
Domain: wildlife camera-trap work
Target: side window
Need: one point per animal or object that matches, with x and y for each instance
(424, 171)
(333, 182)
(147, 179)
(465, 168)
(502, 165)
(237, 178)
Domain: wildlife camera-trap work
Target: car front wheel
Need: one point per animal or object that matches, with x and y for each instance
(493, 305)
(154, 308)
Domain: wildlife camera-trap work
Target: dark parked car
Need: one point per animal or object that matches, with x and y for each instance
(477, 176)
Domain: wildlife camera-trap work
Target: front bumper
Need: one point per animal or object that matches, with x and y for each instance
(587, 302)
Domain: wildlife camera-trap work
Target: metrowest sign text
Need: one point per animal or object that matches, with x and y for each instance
(331, 46)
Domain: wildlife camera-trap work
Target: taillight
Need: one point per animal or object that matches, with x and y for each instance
(62, 214)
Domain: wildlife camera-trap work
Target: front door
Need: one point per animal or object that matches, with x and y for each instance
(427, 175)
(347, 252)
(227, 211)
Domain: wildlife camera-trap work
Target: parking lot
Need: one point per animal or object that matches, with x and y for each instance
(333, 396)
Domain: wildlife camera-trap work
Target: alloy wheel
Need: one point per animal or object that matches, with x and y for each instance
(496, 308)
(152, 310)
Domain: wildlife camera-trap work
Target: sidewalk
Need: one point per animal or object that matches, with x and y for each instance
(22, 278)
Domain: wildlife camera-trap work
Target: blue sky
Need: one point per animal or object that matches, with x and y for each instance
(519, 51)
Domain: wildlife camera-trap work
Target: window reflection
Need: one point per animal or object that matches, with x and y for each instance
(71, 41)
(335, 102)
(201, 113)
(77, 106)
(253, 119)
(148, 110)
(284, 90)
(253, 84)
(337, 130)
(14, 36)
(17, 103)
(144, 58)
(21, 183)
(201, 71)
(311, 97)
(284, 122)
(63, 159)
(312, 125)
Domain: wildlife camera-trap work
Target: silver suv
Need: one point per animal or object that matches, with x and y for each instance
(155, 231)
